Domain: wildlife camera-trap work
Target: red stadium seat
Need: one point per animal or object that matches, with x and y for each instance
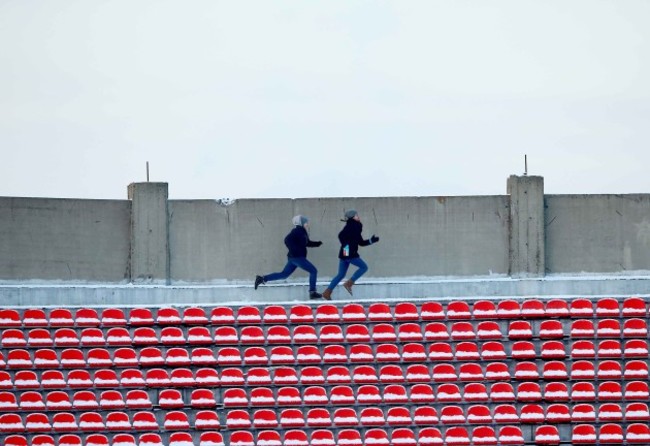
(168, 316)
(346, 416)
(19, 359)
(372, 416)
(557, 308)
(637, 433)
(448, 392)
(170, 399)
(338, 375)
(202, 398)
(144, 420)
(526, 370)
(406, 311)
(379, 312)
(145, 336)
(248, 315)
(558, 413)
(116, 336)
(64, 422)
(61, 317)
(140, 316)
(91, 422)
(117, 421)
(35, 317)
(458, 310)
(475, 392)
(532, 308)
(357, 333)
(523, 350)
(422, 394)
(138, 399)
(532, 413)
(292, 418)
(583, 413)
(478, 414)
(229, 356)
(39, 337)
(47, 358)
(368, 394)
(327, 313)
(330, 333)
(195, 316)
(470, 371)
(172, 336)
(430, 436)
(432, 311)
(505, 413)
(409, 331)
(342, 395)
(548, 435)
(13, 338)
(484, 309)
(634, 307)
(636, 348)
(436, 331)
(283, 355)
(551, 328)
(462, 330)
(58, 400)
(610, 349)
(583, 391)
(636, 370)
(608, 328)
(493, 350)
(556, 391)
(440, 351)
(315, 395)
(637, 412)
(529, 391)
(553, 350)
(610, 412)
(222, 316)
(583, 434)
(131, 378)
(353, 313)
(318, 417)
(508, 309)
(9, 318)
(520, 330)
(199, 335)
(484, 436)
(417, 373)
(274, 314)
(207, 419)
(224, 335)
(91, 337)
(348, 437)
(581, 308)
(252, 334)
(457, 435)
(384, 333)
(112, 317)
(502, 392)
(583, 349)
(157, 378)
(495, 371)
(395, 394)
(607, 307)
(176, 420)
(278, 334)
(177, 356)
(425, 415)
(111, 399)
(635, 328)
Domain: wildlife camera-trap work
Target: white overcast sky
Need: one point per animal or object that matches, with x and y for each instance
(323, 98)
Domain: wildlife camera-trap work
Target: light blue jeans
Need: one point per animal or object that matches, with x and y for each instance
(343, 269)
(290, 267)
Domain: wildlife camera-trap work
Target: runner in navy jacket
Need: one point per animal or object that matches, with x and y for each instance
(350, 238)
(297, 242)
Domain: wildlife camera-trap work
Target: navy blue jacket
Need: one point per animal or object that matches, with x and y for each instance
(350, 236)
(297, 242)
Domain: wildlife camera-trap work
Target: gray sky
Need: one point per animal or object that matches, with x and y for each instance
(244, 99)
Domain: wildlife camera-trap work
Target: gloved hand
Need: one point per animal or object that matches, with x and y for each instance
(318, 243)
(374, 239)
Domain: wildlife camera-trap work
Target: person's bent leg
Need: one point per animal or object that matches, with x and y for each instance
(305, 264)
(289, 268)
(362, 268)
(343, 269)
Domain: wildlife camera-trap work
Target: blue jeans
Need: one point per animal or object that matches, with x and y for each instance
(290, 267)
(343, 269)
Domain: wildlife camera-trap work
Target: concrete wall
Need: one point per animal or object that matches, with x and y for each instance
(597, 233)
(64, 240)
(419, 236)
(208, 242)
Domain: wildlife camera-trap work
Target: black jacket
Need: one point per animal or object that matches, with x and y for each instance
(297, 242)
(350, 236)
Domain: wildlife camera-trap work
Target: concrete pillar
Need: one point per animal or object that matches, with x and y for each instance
(149, 233)
(526, 226)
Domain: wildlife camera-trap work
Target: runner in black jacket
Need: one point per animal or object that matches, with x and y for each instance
(297, 242)
(350, 238)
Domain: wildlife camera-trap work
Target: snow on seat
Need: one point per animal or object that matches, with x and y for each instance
(353, 313)
(532, 308)
(35, 317)
(583, 413)
(505, 413)
(212, 439)
(371, 416)
(529, 391)
(608, 328)
(19, 359)
(457, 435)
(508, 309)
(475, 392)
(99, 357)
(47, 358)
(610, 349)
(553, 350)
(31, 401)
(206, 419)
(357, 333)
(436, 331)
(406, 311)
(551, 328)
(13, 338)
(583, 391)
(150, 439)
(492, 350)
(462, 330)
(583, 349)
(610, 412)
(194, 316)
(395, 394)
(430, 436)
(636, 370)
(42, 440)
(379, 312)
(558, 413)
(637, 412)
(330, 333)
(384, 333)
(175, 420)
(520, 330)
(484, 309)
(635, 328)
(86, 317)
(145, 336)
(409, 331)
(168, 316)
(440, 351)
(432, 311)
(274, 314)
(484, 436)
(177, 356)
(547, 434)
(637, 433)
(91, 337)
(553, 370)
(61, 317)
(523, 350)
(138, 399)
(557, 308)
(532, 413)
(116, 336)
(170, 399)
(91, 422)
(199, 335)
(607, 307)
(39, 337)
(113, 317)
(117, 421)
(222, 316)
(425, 415)
(422, 394)
(448, 392)
(495, 371)
(581, 308)
(181, 439)
(248, 315)
(252, 334)
(634, 307)
(556, 391)
(64, 422)
(327, 313)
(140, 316)
(458, 310)
(365, 374)
(470, 371)
(172, 336)
(583, 434)
(58, 400)
(144, 420)
(479, 414)
(635, 348)
(10, 318)
(111, 399)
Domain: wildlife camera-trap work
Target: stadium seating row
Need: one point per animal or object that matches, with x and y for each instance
(610, 433)
(98, 357)
(280, 334)
(404, 311)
